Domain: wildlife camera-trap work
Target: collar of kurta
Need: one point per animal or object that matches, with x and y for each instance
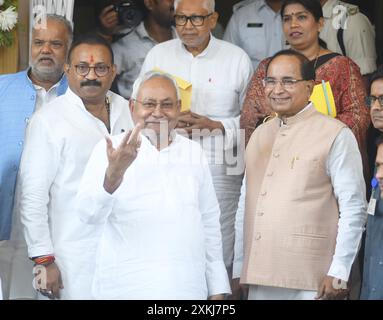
(142, 33)
(174, 141)
(76, 100)
(211, 47)
(36, 87)
(305, 113)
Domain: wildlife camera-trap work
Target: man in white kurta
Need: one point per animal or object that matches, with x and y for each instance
(159, 224)
(219, 73)
(59, 140)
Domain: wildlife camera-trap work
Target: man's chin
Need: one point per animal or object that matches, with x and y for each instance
(47, 73)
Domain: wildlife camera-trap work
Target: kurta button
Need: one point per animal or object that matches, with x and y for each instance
(258, 236)
(14, 168)
(32, 97)
(26, 120)
(276, 155)
(381, 263)
(373, 289)
(270, 174)
(20, 143)
(263, 193)
(261, 214)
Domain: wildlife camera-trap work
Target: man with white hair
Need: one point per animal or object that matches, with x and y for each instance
(151, 202)
(21, 94)
(219, 73)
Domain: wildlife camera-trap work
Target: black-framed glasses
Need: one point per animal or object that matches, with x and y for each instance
(195, 20)
(287, 83)
(101, 70)
(152, 104)
(370, 100)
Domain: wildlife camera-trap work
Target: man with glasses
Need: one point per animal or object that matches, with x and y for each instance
(21, 94)
(372, 286)
(59, 141)
(151, 192)
(219, 73)
(302, 209)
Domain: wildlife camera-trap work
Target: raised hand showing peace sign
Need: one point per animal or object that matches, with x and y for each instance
(121, 158)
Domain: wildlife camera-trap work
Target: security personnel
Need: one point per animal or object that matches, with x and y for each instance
(256, 27)
(349, 32)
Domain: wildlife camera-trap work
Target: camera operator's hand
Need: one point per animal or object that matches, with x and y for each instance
(109, 20)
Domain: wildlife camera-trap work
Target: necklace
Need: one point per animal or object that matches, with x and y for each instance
(107, 107)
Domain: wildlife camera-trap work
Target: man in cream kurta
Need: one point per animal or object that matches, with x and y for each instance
(219, 73)
(154, 208)
(59, 140)
(301, 218)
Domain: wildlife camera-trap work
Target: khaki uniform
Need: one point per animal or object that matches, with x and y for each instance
(358, 34)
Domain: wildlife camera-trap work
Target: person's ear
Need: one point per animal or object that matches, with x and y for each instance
(114, 71)
(320, 24)
(310, 87)
(213, 19)
(148, 4)
(131, 105)
(66, 69)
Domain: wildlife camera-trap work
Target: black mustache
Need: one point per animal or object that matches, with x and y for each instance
(91, 83)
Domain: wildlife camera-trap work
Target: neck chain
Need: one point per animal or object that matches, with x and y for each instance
(107, 106)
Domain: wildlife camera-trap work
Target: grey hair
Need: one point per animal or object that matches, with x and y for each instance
(60, 19)
(150, 75)
(209, 5)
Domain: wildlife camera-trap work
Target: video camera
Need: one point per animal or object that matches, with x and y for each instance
(129, 13)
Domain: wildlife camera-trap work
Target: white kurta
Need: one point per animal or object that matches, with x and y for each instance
(160, 233)
(59, 140)
(219, 77)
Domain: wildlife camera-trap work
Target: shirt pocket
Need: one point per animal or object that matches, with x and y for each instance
(221, 102)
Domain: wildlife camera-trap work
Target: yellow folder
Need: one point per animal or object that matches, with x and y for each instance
(185, 88)
(323, 99)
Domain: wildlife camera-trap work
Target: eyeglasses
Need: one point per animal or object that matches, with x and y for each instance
(286, 83)
(370, 100)
(101, 70)
(151, 104)
(196, 21)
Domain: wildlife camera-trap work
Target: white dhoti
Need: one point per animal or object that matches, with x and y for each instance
(274, 293)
